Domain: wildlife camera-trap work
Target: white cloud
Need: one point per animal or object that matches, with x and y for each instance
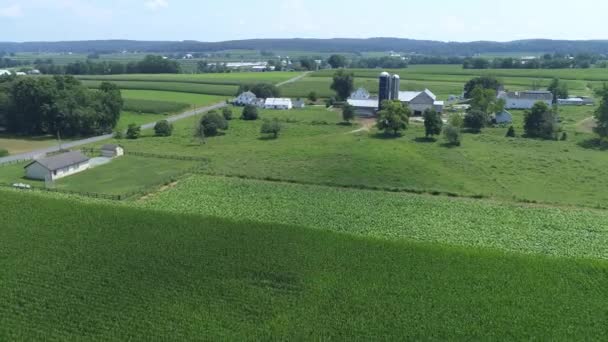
(157, 4)
(11, 11)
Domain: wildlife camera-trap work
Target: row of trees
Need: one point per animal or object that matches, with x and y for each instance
(261, 90)
(548, 61)
(58, 105)
(149, 65)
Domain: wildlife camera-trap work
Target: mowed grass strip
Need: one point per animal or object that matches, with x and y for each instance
(71, 271)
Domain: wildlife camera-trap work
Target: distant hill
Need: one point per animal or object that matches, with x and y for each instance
(318, 45)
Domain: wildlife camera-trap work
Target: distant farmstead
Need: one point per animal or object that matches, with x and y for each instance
(112, 151)
(56, 167)
(525, 99)
(5, 73)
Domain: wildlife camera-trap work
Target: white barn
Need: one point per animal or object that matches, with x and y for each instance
(278, 103)
(419, 101)
(525, 99)
(245, 99)
(56, 167)
(112, 151)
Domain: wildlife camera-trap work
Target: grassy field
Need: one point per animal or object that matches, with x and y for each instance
(125, 175)
(235, 78)
(487, 164)
(196, 88)
(153, 106)
(132, 274)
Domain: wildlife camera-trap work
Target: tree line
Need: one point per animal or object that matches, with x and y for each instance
(151, 64)
(58, 105)
(547, 61)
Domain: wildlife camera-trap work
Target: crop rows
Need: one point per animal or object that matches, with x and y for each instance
(571, 232)
(152, 106)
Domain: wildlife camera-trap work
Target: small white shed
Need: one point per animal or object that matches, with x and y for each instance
(112, 151)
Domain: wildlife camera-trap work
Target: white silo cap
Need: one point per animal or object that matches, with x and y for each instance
(396, 76)
(385, 74)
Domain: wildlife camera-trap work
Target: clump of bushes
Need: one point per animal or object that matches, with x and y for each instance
(212, 123)
(227, 113)
(133, 131)
(250, 113)
(163, 128)
(271, 127)
(452, 135)
(511, 132)
(3, 153)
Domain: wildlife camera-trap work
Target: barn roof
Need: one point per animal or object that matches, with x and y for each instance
(60, 161)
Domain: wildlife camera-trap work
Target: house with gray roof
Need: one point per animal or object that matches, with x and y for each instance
(57, 166)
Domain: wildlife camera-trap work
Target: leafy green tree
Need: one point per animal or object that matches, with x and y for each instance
(601, 114)
(213, 123)
(394, 117)
(456, 120)
(432, 123)
(343, 84)
(452, 135)
(133, 131)
(483, 99)
(348, 113)
(485, 82)
(337, 61)
(265, 90)
(475, 120)
(511, 132)
(540, 122)
(272, 127)
(558, 89)
(3, 152)
(163, 128)
(312, 96)
(227, 113)
(308, 63)
(250, 113)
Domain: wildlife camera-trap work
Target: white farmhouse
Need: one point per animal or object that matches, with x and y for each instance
(246, 98)
(419, 101)
(56, 167)
(112, 151)
(278, 103)
(525, 99)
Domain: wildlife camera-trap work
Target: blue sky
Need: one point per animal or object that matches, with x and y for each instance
(216, 20)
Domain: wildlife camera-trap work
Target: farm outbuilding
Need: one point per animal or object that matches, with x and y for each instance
(278, 103)
(503, 117)
(112, 151)
(58, 166)
(299, 104)
(246, 98)
(525, 99)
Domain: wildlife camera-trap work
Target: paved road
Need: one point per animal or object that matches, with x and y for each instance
(72, 144)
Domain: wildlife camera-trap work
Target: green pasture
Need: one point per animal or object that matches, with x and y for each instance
(208, 89)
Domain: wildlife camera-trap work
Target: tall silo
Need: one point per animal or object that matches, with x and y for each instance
(385, 91)
(395, 87)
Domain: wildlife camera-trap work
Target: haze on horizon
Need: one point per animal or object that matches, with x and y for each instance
(443, 20)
